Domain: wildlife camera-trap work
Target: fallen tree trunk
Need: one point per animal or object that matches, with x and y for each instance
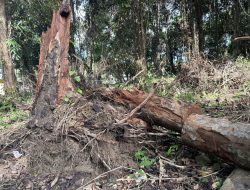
(229, 141)
(157, 111)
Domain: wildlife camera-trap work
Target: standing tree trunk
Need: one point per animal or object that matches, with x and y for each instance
(53, 81)
(186, 29)
(140, 40)
(5, 58)
(169, 56)
(236, 27)
(156, 37)
(197, 27)
(216, 27)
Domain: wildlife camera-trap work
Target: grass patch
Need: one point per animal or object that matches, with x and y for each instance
(10, 117)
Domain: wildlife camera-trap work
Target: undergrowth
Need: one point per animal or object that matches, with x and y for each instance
(224, 85)
(11, 111)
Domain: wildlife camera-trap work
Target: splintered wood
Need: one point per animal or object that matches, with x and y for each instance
(53, 81)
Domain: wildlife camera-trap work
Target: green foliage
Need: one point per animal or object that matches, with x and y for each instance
(7, 104)
(72, 73)
(173, 149)
(139, 155)
(242, 61)
(204, 181)
(219, 183)
(144, 161)
(28, 20)
(14, 49)
(77, 78)
(79, 91)
(186, 97)
(11, 116)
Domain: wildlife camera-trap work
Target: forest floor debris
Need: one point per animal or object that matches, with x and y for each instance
(86, 149)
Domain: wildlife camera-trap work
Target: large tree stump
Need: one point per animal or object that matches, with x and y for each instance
(53, 80)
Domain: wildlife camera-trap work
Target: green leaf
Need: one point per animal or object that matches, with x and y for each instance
(77, 78)
(139, 155)
(71, 73)
(146, 162)
(172, 150)
(79, 91)
(141, 172)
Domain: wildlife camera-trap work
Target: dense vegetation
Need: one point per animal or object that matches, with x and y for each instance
(122, 37)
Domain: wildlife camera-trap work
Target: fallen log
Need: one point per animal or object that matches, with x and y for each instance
(227, 140)
(157, 111)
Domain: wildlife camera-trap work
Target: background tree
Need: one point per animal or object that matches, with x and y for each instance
(5, 58)
(116, 39)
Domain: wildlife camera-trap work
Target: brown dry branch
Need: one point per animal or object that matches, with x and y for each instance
(102, 175)
(134, 77)
(170, 162)
(136, 109)
(242, 38)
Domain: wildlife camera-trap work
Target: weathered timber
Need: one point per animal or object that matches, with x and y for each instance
(227, 140)
(158, 110)
(53, 81)
(230, 141)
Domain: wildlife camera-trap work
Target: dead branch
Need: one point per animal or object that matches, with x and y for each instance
(134, 77)
(135, 110)
(242, 38)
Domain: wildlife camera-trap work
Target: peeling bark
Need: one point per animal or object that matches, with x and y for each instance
(53, 80)
(158, 110)
(230, 141)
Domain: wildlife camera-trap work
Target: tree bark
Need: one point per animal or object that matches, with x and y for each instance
(197, 27)
(140, 40)
(169, 55)
(5, 57)
(227, 140)
(236, 27)
(156, 37)
(53, 81)
(158, 110)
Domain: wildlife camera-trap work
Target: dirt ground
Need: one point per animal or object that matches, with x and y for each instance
(81, 147)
